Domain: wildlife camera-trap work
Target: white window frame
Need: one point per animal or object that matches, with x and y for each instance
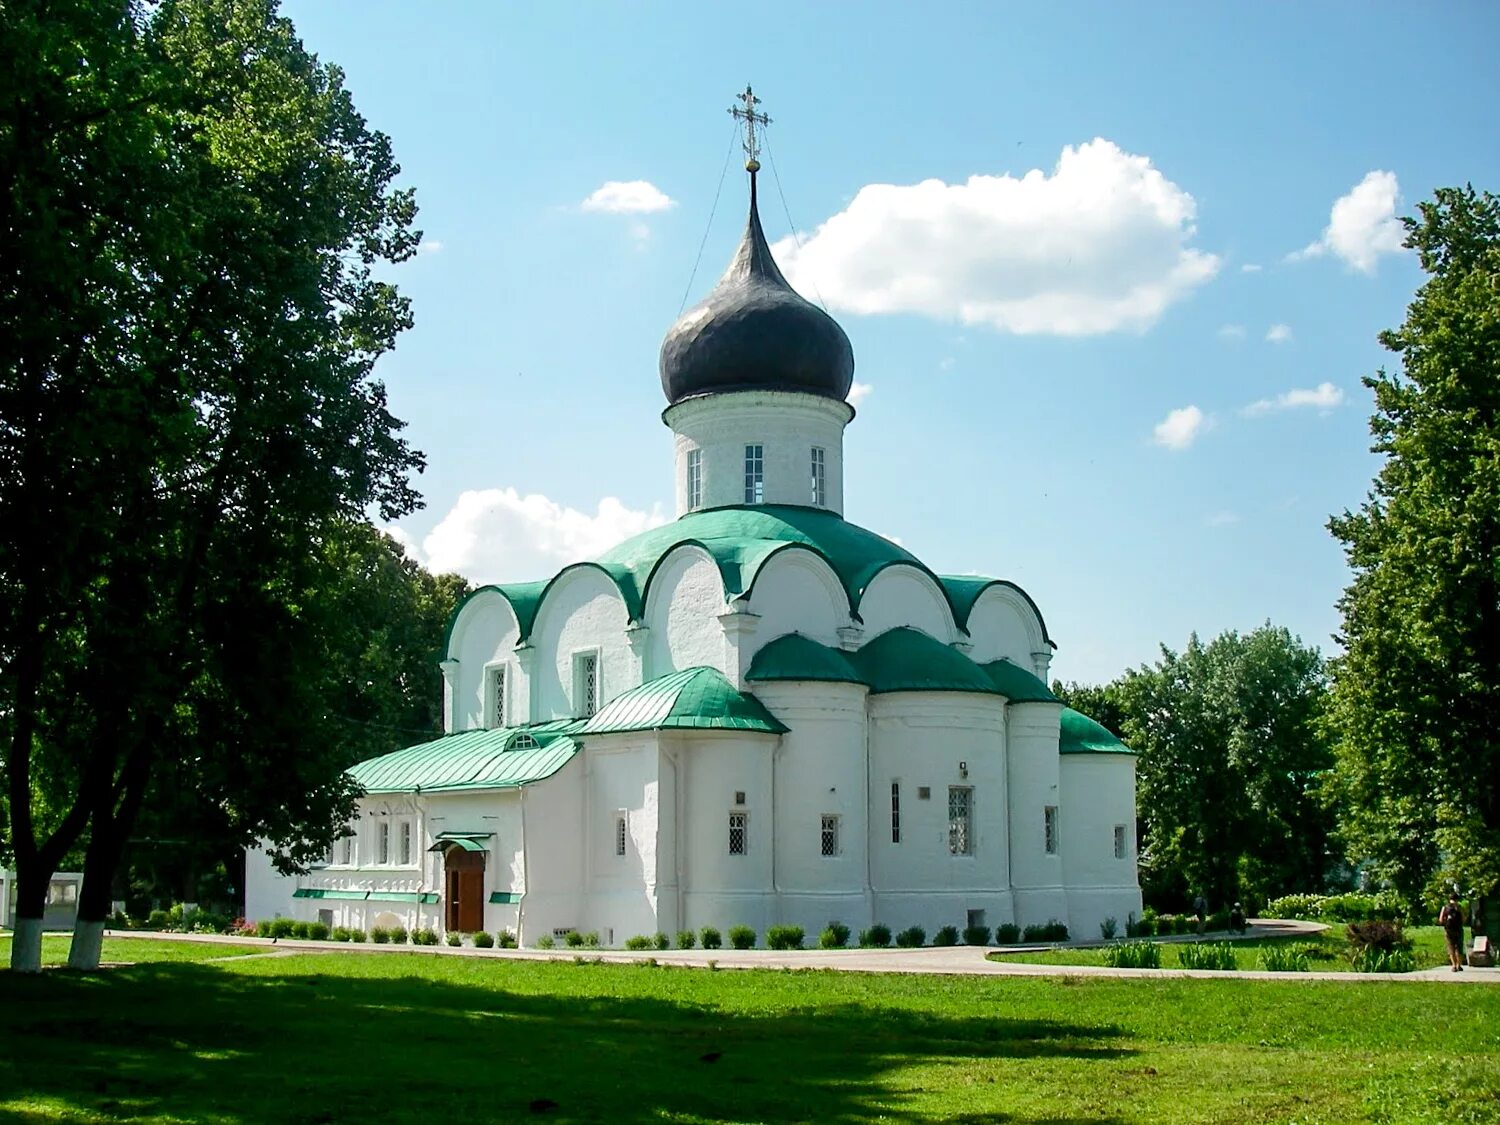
(408, 830)
(694, 479)
(755, 473)
(622, 834)
(348, 851)
(830, 846)
(581, 702)
(496, 693)
(383, 842)
(819, 477)
(1051, 836)
(739, 821)
(961, 828)
(1122, 842)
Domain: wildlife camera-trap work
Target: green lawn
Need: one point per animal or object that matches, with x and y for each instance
(1328, 951)
(117, 950)
(345, 1037)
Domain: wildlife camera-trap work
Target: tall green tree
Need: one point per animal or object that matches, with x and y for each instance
(1417, 691)
(1231, 755)
(190, 321)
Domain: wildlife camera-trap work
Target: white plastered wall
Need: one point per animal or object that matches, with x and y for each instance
(620, 779)
(1036, 876)
(796, 592)
(820, 769)
(903, 595)
(552, 815)
(1099, 794)
(583, 611)
(937, 740)
(785, 424)
(682, 609)
(485, 633)
(1003, 626)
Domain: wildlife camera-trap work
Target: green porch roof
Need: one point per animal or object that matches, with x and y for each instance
(463, 841)
(795, 657)
(693, 699)
(473, 759)
(1081, 735)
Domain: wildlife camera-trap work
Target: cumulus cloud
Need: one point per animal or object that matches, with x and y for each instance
(1232, 332)
(858, 392)
(1362, 225)
(1323, 398)
(1180, 428)
(1098, 245)
(498, 535)
(1279, 333)
(628, 197)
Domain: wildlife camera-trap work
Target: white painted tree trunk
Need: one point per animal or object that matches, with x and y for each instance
(88, 940)
(26, 946)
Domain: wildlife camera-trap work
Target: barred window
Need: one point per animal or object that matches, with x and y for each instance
(586, 683)
(960, 820)
(694, 478)
(497, 697)
(383, 842)
(1049, 829)
(1120, 841)
(739, 833)
(895, 812)
(755, 474)
(819, 479)
(830, 841)
(620, 835)
(406, 841)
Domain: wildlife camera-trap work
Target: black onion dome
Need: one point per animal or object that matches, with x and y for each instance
(755, 332)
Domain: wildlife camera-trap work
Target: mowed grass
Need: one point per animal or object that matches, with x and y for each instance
(1328, 951)
(345, 1037)
(132, 950)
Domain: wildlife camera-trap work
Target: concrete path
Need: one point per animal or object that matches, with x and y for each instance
(953, 960)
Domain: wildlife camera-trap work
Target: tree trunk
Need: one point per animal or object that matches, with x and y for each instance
(31, 901)
(94, 899)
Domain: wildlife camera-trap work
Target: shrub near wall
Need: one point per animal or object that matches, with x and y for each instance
(711, 938)
(835, 935)
(1007, 934)
(946, 935)
(740, 937)
(483, 940)
(911, 937)
(785, 937)
(976, 935)
(876, 937)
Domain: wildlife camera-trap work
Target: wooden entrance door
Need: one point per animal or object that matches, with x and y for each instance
(465, 887)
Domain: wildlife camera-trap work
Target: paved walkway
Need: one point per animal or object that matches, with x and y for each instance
(952, 960)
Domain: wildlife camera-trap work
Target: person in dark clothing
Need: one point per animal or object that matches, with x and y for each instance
(1451, 918)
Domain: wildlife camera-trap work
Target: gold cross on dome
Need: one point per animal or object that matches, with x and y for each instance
(747, 113)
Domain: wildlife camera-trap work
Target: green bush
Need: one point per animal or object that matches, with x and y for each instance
(1108, 929)
(912, 937)
(946, 935)
(544, 942)
(340, 933)
(741, 937)
(1388, 937)
(357, 937)
(424, 936)
(281, 927)
(206, 922)
(573, 939)
(976, 935)
(711, 938)
(876, 937)
(1007, 934)
(661, 941)
(1148, 914)
(1305, 907)
(1143, 928)
(835, 935)
(176, 916)
(591, 939)
(483, 939)
(1183, 924)
(1133, 955)
(1217, 922)
(638, 942)
(300, 930)
(263, 928)
(686, 939)
(1051, 930)
(398, 935)
(380, 935)
(317, 931)
(1372, 959)
(158, 920)
(453, 937)
(1217, 955)
(785, 937)
(506, 940)
(1283, 958)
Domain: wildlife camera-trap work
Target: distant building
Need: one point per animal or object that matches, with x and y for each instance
(61, 908)
(759, 713)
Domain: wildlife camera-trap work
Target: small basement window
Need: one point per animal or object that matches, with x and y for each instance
(1049, 829)
(1119, 841)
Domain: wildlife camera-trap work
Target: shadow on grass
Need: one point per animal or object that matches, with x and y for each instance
(190, 1042)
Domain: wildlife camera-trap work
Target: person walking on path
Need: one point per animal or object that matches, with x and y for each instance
(1451, 918)
(1200, 910)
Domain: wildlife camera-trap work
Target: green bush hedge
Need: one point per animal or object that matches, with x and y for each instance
(661, 941)
(876, 937)
(785, 937)
(357, 937)
(281, 927)
(263, 928)
(741, 937)
(506, 940)
(453, 937)
(636, 942)
(573, 939)
(1133, 955)
(946, 935)
(1007, 934)
(835, 935)
(976, 935)
(911, 937)
(686, 939)
(340, 933)
(1353, 906)
(398, 935)
(317, 931)
(1051, 930)
(301, 930)
(546, 941)
(483, 939)
(380, 935)
(711, 938)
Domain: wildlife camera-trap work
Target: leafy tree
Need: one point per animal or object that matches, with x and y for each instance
(190, 320)
(1417, 691)
(1231, 751)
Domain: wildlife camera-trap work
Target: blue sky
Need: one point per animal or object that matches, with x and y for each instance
(1019, 420)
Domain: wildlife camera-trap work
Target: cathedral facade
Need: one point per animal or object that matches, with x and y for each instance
(759, 713)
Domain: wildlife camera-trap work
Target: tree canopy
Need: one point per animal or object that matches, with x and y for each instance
(1417, 691)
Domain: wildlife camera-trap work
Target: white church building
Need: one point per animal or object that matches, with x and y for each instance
(759, 713)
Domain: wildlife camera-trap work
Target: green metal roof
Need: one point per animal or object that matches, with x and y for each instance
(1081, 735)
(502, 897)
(1017, 684)
(693, 699)
(908, 659)
(474, 759)
(366, 896)
(464, 841)
(963, 592)
(795, 657)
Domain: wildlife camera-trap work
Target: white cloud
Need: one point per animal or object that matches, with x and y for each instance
(1323, 398)
(1222, 519)
(498, 535)
(1279, 333)
(1250, 267)
(1180, 428)
(1232, 332)
(858, 392)
(1099, 245)
(1362, 225)
(628, 197)
(430, 246)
